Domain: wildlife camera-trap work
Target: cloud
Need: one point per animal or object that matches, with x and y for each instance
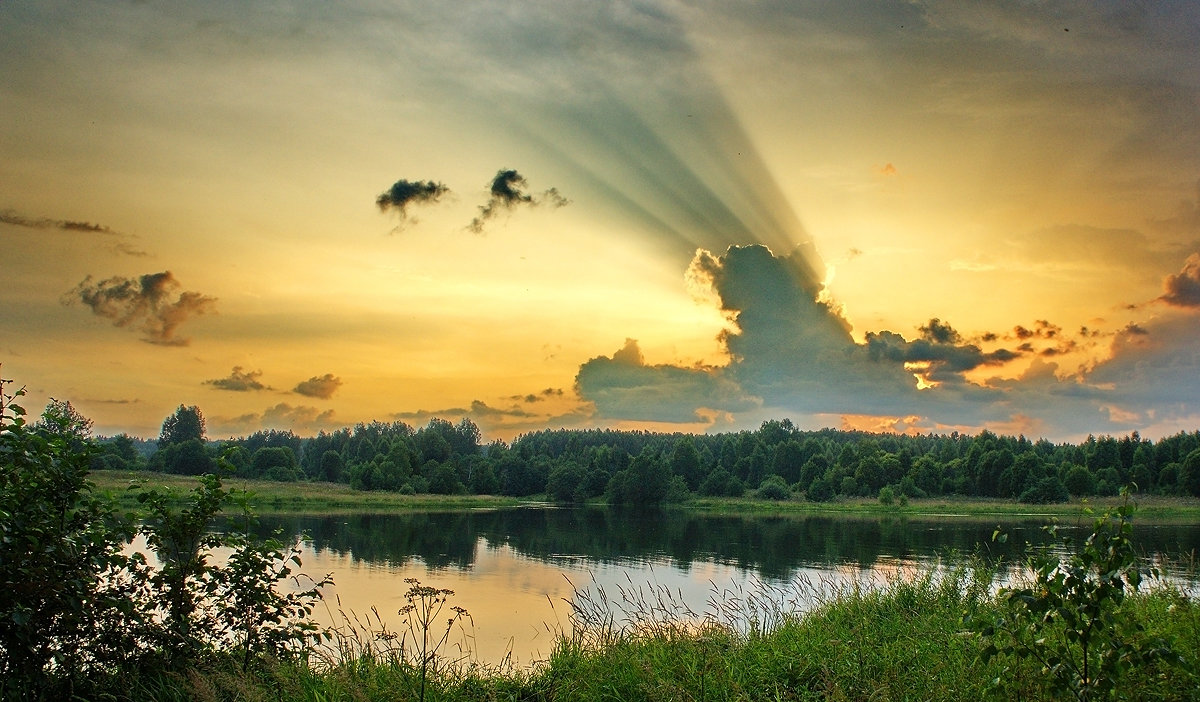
(239, 381)
(144, 303)
(11, 217)
(624, 386)
(1183, 288)
(301, 419)
(118, 242)
(407, 192)
(530, 398)
(790, 352)
(322, 387)
(506, 192)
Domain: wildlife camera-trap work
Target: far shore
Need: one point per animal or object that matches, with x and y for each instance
(307, 497)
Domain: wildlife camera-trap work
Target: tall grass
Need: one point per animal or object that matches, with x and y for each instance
(904, 639)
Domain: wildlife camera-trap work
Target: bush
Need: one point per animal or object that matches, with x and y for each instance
(821, 490)
(1046, 491)
(1068, 620)
(59, 618)
(774, 488)
(80, 619)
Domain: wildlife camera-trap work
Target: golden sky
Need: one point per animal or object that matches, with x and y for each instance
(910, 216)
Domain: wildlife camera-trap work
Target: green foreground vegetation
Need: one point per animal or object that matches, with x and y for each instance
(80, 619)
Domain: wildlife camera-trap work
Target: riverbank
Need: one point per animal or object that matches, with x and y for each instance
(910, 640)
(302, 497)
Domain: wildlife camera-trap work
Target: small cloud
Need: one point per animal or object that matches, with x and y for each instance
(143, 303)
(406, 192)
(939, 333)
(321, 387)
(531, 398)
(507, 191)
(118, 243)
(239, 381)
(888, 170)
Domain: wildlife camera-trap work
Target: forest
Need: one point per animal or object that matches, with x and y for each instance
(777, 461)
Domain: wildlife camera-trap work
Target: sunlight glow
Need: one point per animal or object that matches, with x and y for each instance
(920, 371)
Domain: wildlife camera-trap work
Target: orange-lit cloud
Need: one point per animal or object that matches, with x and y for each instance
(322, 386)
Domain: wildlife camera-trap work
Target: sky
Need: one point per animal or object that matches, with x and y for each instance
(925, 216)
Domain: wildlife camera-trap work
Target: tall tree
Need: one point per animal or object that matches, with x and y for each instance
(185, 424)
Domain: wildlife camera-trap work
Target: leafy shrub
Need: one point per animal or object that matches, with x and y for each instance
(1068, 620)
(59, 618)
(774, 488)
(80, 619)
(821, 490)
(1048, 490)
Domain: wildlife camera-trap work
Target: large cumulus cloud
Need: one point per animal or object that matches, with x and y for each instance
(792, 351)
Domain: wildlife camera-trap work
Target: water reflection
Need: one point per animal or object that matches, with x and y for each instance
(514, 569)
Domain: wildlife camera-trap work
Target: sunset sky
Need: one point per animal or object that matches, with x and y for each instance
(895, 216)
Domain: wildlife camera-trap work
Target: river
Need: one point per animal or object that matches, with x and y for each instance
(519, 571)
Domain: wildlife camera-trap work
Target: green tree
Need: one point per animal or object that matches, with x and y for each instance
(62, 419)
(185, 424)
(190, 457)
(1079, 481)
(685, 462)
(443, 480)
(564, 482)
(331, 466)
(275, 463)
(1189, 474)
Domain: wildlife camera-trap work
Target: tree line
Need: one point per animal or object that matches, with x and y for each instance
(776, 461)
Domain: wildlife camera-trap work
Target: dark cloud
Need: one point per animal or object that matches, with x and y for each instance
(530, 398)
(940, 362)
(623, 386)
(506, 192)
(147, 303)
(407, 192)
(117, 242)
(939, 333)
(239, 381)
(11, 217)
(1183, 288)
(322, 387)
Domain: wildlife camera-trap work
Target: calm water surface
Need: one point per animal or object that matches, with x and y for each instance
(515, 570)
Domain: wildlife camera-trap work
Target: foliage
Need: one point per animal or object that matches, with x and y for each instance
(78, 617)
(640, 467)
(56, 541)
(60, 418)
(204, 605)
(1069, 619)
(774, 488)
(185, 424)
(1048, 490)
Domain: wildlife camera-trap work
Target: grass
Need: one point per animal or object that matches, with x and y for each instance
(903, 641)
(328, 498)
(297, 497)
